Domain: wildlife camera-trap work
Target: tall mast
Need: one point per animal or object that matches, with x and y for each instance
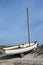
(28, 27)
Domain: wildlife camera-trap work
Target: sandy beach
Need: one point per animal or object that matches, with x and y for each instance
(28, 59)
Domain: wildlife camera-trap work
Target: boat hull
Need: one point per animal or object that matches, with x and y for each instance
(21, 50)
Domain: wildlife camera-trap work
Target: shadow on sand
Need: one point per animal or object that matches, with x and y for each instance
(3, 57)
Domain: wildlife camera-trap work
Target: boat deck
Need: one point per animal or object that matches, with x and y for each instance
(20, 46)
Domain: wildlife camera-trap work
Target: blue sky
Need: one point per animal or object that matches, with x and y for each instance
(13, 26)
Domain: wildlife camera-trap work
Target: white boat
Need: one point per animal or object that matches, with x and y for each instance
(19, 48)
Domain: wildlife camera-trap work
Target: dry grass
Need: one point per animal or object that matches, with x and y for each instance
(39, 50)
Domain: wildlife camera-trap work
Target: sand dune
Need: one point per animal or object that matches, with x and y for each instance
(28, 59)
